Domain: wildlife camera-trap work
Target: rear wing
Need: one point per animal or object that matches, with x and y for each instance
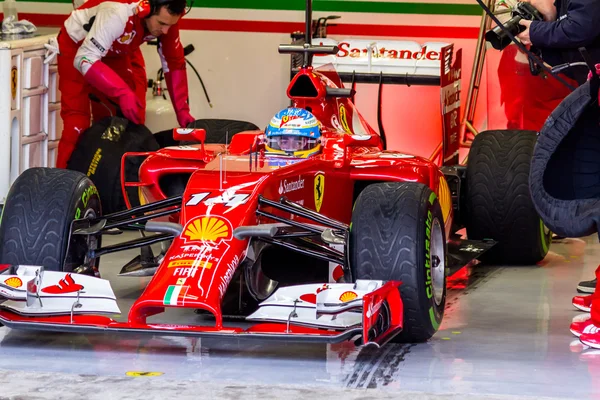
(402, 62)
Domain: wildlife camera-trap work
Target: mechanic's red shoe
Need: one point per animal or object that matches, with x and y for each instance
(591, 339)
(583, 303)
(585, 327)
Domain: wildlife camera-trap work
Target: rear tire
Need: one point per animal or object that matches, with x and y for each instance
(220, 131)
(397, 233)
(36, 219)
(498, 200)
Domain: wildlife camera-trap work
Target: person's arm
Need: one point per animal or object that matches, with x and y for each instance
(580, 27)
(171, 55)
(109, 25)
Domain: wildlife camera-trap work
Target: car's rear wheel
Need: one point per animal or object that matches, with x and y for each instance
(36, 219)
(498, 200)
(397, 233)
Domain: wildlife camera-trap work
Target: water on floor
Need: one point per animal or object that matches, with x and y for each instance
(506, 332)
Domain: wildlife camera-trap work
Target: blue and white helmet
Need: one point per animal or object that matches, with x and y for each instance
(293, 131)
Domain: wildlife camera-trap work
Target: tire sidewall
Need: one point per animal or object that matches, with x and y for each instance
(431, 212)
(84, 200)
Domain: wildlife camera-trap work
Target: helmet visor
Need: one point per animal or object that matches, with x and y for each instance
(291, 143)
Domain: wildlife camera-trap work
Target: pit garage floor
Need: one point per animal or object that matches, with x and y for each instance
(505, 335)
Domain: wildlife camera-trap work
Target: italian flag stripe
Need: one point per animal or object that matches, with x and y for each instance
(175, 294)
(388, 7)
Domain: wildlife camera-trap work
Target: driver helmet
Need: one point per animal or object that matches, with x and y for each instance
(293, 132)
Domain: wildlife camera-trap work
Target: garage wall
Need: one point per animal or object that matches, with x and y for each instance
(236, 54)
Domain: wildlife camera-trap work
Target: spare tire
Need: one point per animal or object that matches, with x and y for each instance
(565, 169)
(218, 131)
(99, 152)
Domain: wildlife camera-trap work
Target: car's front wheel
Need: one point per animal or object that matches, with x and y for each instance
(397, 233)
(36, 219)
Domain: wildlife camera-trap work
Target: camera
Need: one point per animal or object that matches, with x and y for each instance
(498, 37)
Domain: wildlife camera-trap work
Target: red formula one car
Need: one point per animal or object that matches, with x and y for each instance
(352, 242)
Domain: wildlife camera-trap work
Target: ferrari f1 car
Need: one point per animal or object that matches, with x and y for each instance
(308, 230)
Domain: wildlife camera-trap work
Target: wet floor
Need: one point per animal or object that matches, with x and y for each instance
(505, 333)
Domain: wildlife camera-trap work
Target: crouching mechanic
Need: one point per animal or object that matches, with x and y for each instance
(101, 31)
(138, 69)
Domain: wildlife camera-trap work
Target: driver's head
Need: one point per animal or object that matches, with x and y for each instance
(294, 132)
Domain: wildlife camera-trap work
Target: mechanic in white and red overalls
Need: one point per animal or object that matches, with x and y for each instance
(96, 45)
(138, 67)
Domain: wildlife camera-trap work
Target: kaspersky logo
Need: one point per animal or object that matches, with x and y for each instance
(211, 229)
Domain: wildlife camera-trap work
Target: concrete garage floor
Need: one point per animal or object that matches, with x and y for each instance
(505, 335)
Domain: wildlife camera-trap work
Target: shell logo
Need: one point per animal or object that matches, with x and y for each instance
(211, 229)
(348, 296)
(14, 282)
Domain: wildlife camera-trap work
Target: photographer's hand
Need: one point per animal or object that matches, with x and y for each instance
(524, 36)
(545, 7)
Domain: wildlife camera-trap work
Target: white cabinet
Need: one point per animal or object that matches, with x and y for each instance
(30, 123)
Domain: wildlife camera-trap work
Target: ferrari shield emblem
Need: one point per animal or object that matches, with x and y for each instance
(319, 191)
(13, 82)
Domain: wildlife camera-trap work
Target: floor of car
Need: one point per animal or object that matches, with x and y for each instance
(505, 335)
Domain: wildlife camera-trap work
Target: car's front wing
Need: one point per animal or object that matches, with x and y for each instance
(367, 310)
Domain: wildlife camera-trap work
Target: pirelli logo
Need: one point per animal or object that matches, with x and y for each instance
(98, 45)
(189, 263)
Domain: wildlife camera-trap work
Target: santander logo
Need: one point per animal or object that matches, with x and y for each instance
(286, 187)
(346, 50)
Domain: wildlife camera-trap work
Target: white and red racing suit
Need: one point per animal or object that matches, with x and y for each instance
(138, 67)
(96, 45)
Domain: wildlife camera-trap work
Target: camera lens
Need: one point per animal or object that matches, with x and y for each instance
(498, 38)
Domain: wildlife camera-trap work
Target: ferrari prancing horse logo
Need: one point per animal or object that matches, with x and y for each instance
(319, 190)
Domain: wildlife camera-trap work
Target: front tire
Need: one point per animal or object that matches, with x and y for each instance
(37, 216)
(397, 233)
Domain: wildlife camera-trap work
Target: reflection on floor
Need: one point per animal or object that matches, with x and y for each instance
(505, 333)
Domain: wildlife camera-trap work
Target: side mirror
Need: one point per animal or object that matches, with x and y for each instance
(362, 140)
(187, 134)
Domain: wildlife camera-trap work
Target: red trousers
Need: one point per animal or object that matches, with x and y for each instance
(528, 100)
(595, 308)
(76, 112)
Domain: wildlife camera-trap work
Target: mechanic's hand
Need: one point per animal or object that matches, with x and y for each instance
(184, 118)
(51, 50)
(524, 36)
(597, 72)
(131, 107)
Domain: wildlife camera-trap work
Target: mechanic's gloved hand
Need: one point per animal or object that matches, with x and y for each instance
(597, 72)
(184, 119)
(131, 107)
(178, 90)
(107, 81)
(51, 50)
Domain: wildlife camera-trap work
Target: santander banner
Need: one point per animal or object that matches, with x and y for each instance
(387, 56)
